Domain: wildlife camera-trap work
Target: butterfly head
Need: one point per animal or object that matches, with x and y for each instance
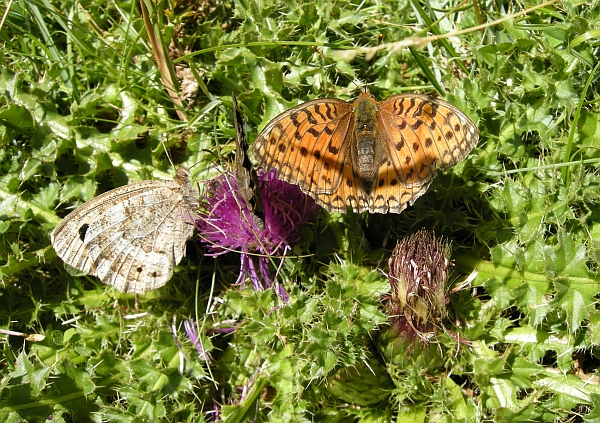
(365, 94)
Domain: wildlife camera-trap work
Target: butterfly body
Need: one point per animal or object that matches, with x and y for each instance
(368, 155)
(366, 146)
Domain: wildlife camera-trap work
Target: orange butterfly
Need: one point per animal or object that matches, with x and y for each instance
(369, 155)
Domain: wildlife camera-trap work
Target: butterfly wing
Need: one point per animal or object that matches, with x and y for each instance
(130, 237)
(346, 194)
(308, 145)
(68, 237)
(420, 134)
(245, 174)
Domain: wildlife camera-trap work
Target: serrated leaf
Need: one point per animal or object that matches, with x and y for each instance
(568, 258)
(594, 415)
(575, 299)
(505, 392)
(18, 119)
(594, 327)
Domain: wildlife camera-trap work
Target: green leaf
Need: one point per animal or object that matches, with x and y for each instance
(567, 258)
(594, 415)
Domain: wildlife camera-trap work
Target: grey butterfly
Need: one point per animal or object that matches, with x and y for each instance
(131, 237)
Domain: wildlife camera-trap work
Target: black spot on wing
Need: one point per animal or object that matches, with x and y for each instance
(313, 132)
(410, 106)
(416, 125)
(318, 111)
(434, 109)
(310, 117)
(294, 119)
(399, 107)
(82, 231)
(329, 109)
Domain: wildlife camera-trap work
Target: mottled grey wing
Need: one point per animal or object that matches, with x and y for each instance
(130, 237)
(68, 237)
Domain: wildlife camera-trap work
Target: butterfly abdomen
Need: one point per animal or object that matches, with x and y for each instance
(364, 142)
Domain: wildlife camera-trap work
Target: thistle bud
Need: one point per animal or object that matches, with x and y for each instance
(418, 275)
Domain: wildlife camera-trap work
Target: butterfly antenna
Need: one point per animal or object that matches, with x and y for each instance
(379, 39)
(167, 153)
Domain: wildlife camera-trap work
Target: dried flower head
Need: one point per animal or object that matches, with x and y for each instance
(226, 224)
(418, 275)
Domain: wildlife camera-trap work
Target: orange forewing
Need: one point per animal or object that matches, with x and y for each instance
(306, 142)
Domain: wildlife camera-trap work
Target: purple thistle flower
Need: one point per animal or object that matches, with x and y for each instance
(214, 415)
(226, 224)
(190, 329)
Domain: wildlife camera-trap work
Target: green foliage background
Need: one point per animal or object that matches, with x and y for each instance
(83, 109)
